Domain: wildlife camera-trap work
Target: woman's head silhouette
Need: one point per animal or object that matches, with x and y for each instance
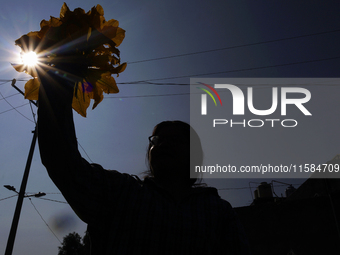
(172, 146)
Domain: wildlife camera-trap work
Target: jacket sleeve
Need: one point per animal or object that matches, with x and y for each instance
(88, 188)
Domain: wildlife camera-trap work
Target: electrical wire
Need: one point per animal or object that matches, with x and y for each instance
(159, 95)
(10, 96)
(152, 83)
(4, 82)
(44, 220)
(47, 193)
(162, 95)
(148, 81)
(35, 122)
(52, 200)
(7, 80)
(85, 152)
(236, 70)
(234, 47)
(8, 197)
(14, 108)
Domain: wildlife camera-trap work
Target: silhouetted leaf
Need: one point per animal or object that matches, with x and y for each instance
(32, 89)
(64, 11)
(97, 96)
(107, 83)
(81, 101)
(120, 68)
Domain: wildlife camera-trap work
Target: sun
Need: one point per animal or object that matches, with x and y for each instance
(29, 58)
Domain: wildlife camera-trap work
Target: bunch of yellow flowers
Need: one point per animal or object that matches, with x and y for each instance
(80, 46)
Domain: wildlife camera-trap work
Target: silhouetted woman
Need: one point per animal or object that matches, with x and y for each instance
(166, 213)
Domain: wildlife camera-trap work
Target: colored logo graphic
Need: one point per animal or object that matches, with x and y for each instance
(204, 97)
(208, 92)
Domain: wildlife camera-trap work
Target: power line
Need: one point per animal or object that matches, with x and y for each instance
(151, 83)
(33, 114)
(240, 85)
(10, 96)
(8, 197)
(47, 193)
(52, 200)
(159, 95)
(7, 80)
(163, 95)
(148, 81)
(234, 47)
(44, 220)
(3, 83)
(85, 152)
(188, 93)
(14, 108)
(235, 70)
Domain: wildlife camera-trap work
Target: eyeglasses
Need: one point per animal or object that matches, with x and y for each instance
(172, 139)
(154, 139)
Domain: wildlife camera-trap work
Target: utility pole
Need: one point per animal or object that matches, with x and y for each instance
(14, 227)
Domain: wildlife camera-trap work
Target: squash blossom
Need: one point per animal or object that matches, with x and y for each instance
(80, 46)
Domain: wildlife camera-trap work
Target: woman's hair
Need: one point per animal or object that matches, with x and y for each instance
(196, 152)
